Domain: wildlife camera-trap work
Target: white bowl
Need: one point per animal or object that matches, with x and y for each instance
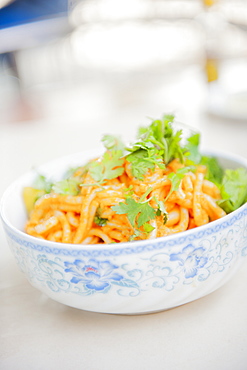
(127, 278)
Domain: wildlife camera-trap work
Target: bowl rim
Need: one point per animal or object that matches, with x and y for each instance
(133, 244)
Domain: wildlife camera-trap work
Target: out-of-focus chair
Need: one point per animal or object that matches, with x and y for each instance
(26, 24)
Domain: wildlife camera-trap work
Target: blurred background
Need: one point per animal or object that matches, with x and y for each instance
(73, 70)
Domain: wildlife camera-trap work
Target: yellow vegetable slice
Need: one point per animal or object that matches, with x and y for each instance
(30, 195)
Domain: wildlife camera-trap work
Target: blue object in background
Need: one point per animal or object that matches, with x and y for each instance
(20, 12)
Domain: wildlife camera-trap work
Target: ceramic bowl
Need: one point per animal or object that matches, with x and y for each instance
(128, 278)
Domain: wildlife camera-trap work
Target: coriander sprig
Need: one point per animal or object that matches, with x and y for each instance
(108, 167)
(176, 179)
(139, 213)
(157, 145)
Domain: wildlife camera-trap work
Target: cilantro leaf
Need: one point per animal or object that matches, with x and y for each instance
(130, 208)
(147, 213)
(233, 189)
(161, 210)
(168, 118)
(112, 142)
(161, 206)
(176, 178)
(67, 187)
(192, 149)
(214, 171)
(100, 221)
(137, 213)
(140, 163)
(108, 167)
(42, 183)
(157, 144)
(148, 228)
(128, 192)
(174, 148)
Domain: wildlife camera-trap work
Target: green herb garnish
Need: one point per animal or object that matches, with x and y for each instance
(138, 213)
(67, 187)
(233, 189)
(108, 167)
(100, 221)
(157, 145)
(215, 172)
(42, 183)
(112, 142)
(176, 179)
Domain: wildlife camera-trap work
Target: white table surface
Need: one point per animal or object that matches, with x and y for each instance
(38, 333)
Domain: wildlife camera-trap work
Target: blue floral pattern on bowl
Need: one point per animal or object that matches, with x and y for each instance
(191, 259)
(95, 275)
(138, 277)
